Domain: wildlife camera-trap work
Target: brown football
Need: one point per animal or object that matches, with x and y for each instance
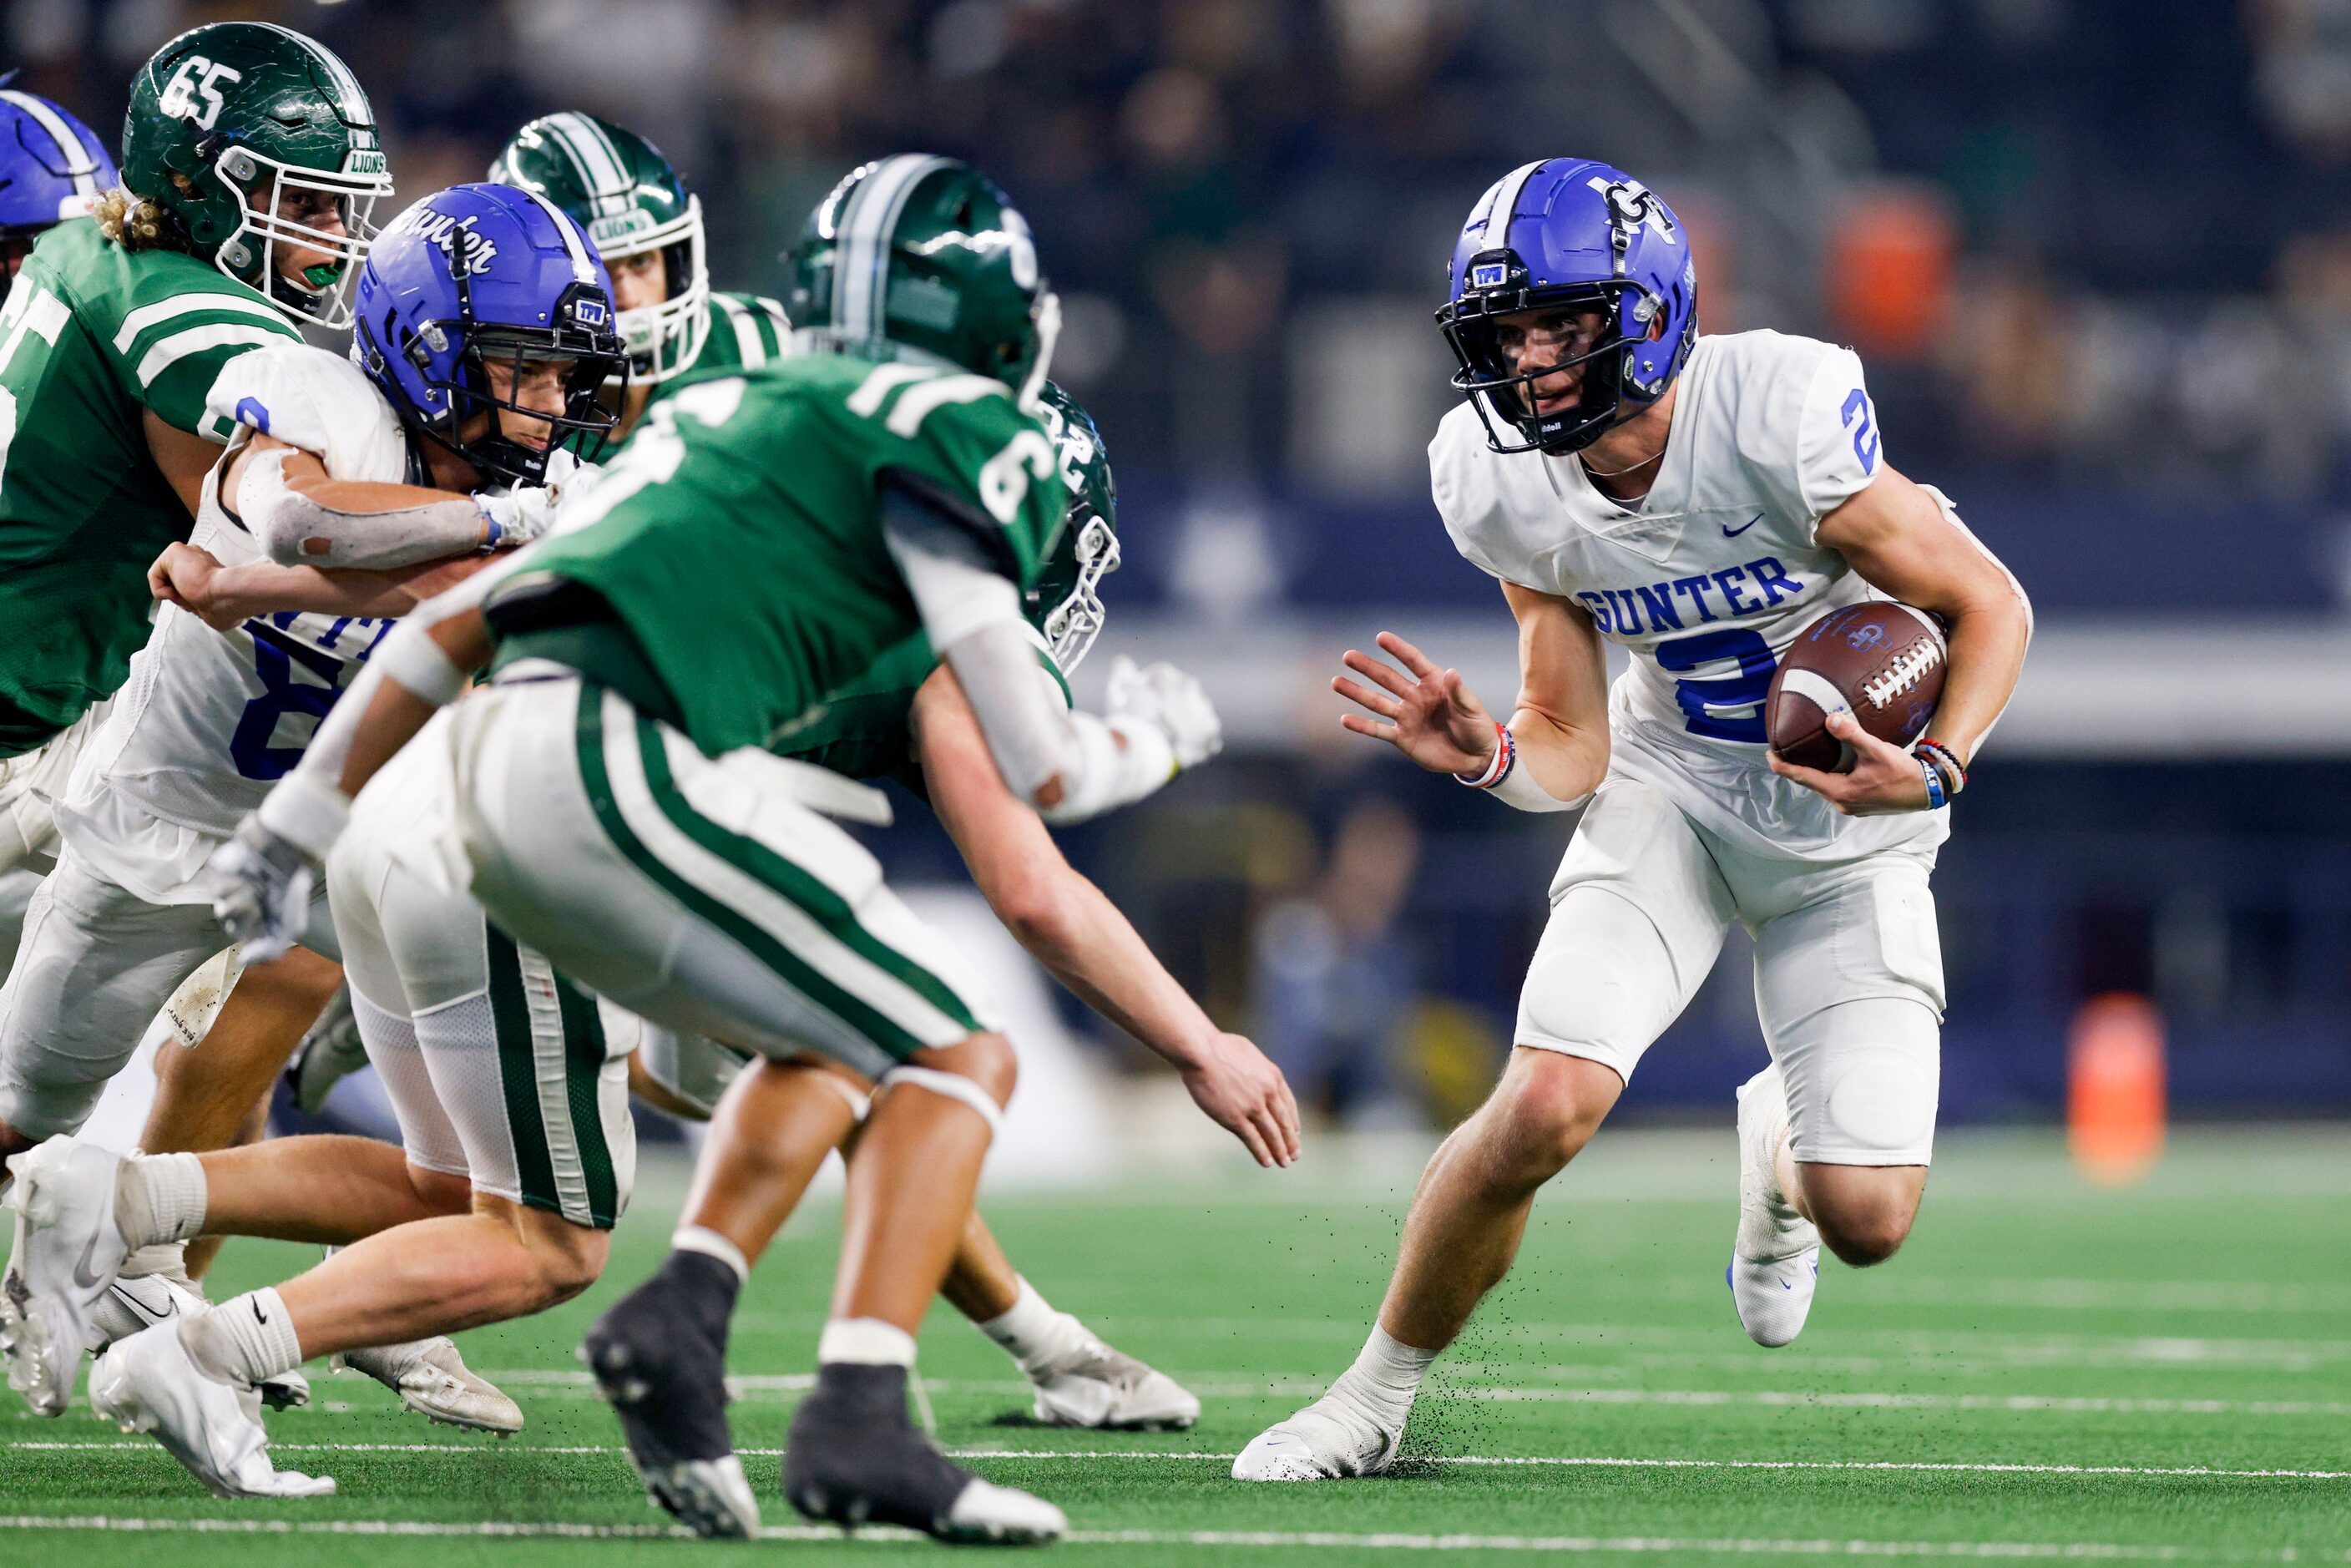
(1881, 661)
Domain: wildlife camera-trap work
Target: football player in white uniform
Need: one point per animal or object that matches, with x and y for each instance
(1696, 501)
(324, 469)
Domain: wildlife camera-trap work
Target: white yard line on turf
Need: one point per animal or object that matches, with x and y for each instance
(1209, 1388)
(1507, 1461)
(1396, 1541)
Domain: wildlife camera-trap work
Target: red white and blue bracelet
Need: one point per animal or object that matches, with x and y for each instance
(1946, 775)
(1505, 757)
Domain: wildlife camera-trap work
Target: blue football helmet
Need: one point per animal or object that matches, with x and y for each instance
(477, 273)
(52, 167)
(1567, 232)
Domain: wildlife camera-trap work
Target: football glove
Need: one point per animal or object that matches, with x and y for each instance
(261, 886)
(1170, 701)
(519, 517)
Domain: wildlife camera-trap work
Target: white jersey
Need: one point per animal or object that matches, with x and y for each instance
(1705, 580)
(209, 720)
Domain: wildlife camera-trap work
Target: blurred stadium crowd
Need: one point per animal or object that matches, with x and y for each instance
(2096, 255)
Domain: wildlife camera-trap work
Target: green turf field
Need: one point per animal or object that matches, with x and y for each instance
(2047, 1371)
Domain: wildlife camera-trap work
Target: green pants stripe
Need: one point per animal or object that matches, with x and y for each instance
(580, 1134)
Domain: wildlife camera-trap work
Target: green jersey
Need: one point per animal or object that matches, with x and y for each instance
(738, 537)
(746, 331)
(865, 729)
(93, 338)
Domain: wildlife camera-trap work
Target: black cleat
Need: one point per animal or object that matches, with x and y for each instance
(853, 1459)
(659, 1356)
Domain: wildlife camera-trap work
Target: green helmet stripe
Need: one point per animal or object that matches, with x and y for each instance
(861, 275)
(602, 175)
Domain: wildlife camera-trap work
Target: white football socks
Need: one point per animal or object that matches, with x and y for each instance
(159, 1198)
(865, 1341)
(711, 1244)
(248, 1339)
(1032, 1331)
(1387, 1375)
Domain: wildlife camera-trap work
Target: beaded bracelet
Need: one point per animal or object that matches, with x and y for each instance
(1505, 757)
(1945, 762)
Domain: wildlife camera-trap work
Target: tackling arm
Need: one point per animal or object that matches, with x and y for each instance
(1068, 925)
(224, 596)
(302, 517)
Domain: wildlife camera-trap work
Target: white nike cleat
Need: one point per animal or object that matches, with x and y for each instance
(1094, 1386)
(1335, 1437)
(68, 1250)
(149, 1384)
(986, 1514)
(1776, 1260)
(137, 1302)
(433, 1380)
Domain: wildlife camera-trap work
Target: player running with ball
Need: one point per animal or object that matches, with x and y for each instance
(1698, 501)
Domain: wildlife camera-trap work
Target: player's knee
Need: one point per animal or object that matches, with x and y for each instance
(987, 1058)
(569, 1258)
(1545, 1112)
(1864, 1228)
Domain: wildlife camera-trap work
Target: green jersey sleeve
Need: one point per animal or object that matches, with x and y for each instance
(165, 324)
(958, 443)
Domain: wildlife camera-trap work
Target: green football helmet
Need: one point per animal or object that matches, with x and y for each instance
(233, 113)
(917, 257)
(616, 185)
(1066, 603)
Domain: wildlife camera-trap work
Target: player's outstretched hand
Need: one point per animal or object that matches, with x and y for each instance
(261, 890)
(1246, 1095)
(1432, 715)
(1883, 778)
(191, 578)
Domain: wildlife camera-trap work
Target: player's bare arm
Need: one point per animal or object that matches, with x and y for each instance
(304, 516)
(1560, 724)
(1903, 544)
(1069, 925)
(224, 596)
(184, 459)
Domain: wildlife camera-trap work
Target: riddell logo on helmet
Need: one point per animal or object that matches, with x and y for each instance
(465, 249)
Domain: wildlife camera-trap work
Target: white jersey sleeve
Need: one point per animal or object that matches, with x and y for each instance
(318, 401)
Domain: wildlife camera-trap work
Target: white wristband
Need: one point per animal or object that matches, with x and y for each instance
(415, 660)
(306, 812)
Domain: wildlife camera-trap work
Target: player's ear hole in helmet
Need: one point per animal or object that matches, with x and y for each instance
(922, 258)
(637, 210)
(1065, 605)
(1591, 272)
(485, 317)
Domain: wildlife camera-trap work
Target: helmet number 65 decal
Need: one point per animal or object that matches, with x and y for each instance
(1864, 437)
(197, 78)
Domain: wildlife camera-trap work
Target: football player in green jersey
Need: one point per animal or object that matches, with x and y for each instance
(760, 544)
(906, 722)
(250, 165)
(648, 227)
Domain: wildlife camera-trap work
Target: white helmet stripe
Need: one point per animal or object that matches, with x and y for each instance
(862, 257)
(1505, 202)
(79, 166)
(583, 267)
(601, 170)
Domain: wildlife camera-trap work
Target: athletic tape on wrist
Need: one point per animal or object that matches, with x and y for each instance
(954, 1085)
(307, 812)
(415, 660)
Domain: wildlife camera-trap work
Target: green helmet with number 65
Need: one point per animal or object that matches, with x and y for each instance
(229, 120)
(617, 186)
(920, 257)
(1066, 603)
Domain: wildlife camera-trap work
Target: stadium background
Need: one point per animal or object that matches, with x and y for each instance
(2097, 257)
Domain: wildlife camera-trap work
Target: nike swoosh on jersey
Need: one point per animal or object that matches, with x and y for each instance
(1730, 533)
